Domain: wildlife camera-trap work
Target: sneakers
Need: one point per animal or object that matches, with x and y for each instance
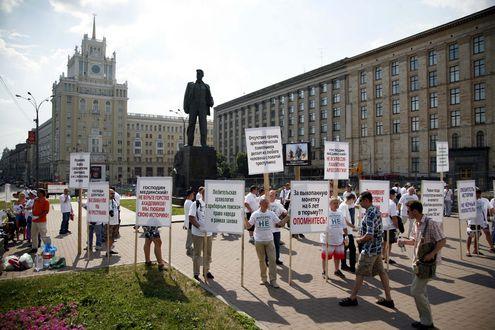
(251, 240)
(278, 262)
(345, 268)
(274, 284)
(347, 302)
(392, 262)
(386, 303)
(210, 276)
(339, 274)
(196, 277)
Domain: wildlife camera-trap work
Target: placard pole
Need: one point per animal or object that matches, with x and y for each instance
(242, 259)
(205, 241)
(297, 173)
(79, 222)
(135, 246)
(476, 237)
(88, 250)
(460, 240)
(326, 257)
(335, 188)
(266, 183)
(170, 246)
(108, 243)
(290, 258)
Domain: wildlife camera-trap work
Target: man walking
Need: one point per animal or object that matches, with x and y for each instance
(403, 202)
(66, 209)
(41, 207)
(428, 239)
(370, 260)
(448, 198)
(251, 204)
(187, 225)
(390, 226)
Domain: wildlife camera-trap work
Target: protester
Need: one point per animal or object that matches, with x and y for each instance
(448, 199)
(20, 215)
(404, 200)
(113, 222)
(480, 224)
(187, 225)
(41, 207)
(251, 204)
(95, 229)
(397, 189)
(428, 239)
(347, 192)
(29, 213)
(370, 261)
(332, 240)
(390, 227)
(403, 190)
(263, 221)
(285, 196)
(349, 210)
(199, 194)
(117, 200)
(66, 209)
(152, 235)
(492, 205)
(277, 208)
(197, 219)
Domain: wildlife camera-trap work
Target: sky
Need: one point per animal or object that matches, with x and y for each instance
(241, 45)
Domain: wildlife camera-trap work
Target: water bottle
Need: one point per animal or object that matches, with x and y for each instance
(38, 262)
(47, 256)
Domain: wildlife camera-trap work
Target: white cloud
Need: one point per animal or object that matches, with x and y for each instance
(464, 7)
(12, 34)
(8, 5)
(16, 57)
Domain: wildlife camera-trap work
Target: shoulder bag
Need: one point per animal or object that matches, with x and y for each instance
(425, 269)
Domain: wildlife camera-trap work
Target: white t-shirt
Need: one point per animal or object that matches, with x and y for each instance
(198, 196)
(347, 193)
(253, 202)
(284, 194)
(65, 205)
(277, 208)
(344, 209)
(29, 207)
(264, 223)
(113, 206)
(392, 210)
(18, 209)
(200, 218)
(482, 207)
(404, 199)
(335, 228)
(187, 207)
(117, 198)
(403, 191)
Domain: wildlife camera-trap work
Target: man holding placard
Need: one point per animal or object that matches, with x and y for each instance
(113, 222)
(480, 223)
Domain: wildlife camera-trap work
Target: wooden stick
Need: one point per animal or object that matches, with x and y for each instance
(108, 243)
(205, 242)
(242, 259)
(326, 257)
(460, 240)
(297, 173)
(290, 257)
(266, 183)
(335, 186)
(476, 237)
(135, 246)
(79, 222)
(170, 246)
(87, 240)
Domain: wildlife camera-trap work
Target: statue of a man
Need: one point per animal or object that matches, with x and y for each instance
(197, 103)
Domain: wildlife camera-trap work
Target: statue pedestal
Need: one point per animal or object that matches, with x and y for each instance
(193, 165)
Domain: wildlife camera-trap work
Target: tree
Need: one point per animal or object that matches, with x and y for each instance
(223, 167)
(242, 164)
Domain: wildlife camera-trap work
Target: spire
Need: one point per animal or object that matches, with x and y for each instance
(94, 26)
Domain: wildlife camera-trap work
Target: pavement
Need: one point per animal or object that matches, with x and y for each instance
(461, 295)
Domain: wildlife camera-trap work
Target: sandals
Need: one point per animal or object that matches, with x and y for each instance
(347, 302)
(386, 303)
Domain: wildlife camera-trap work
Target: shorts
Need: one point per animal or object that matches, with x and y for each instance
(335, 251)
(392, 234)
(151, 232)
(471, 229)
(21, 220)
(248, 216)
(113, 232)
(369, 265)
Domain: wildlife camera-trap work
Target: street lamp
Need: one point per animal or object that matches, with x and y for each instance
(182, 116)
(31, 99)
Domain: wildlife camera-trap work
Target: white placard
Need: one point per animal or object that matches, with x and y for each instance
(442, 157)
(264, 150)
(224, 206)
(336, 160)
(57, 188)
(432, 199)
(98, 202)
(154, 201)
(309, 206)
(79, 170)
(380, 190)
(466, 199)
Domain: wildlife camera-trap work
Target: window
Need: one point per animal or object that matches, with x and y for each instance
(395, 87)
(107, 107)
(336, 84)
(414, 144)
(301, 119)
(312, 104)
(415, 164)
(364, 130)
(455, 140)
(432, 79)
(395, 106)
(396, 126)
(434, 121)
(480, 139)
(378, 90)
(291, 120)
(291, 109)
(312, 129)
(291, 97)
(432, 58)
(455, 118)
(69, 99)
(414, 103)
(324, 114)
(336, 98)
(336, 125)
(324, 101)
(282, 99)
(300, 131)
(379, 109)
(453, 52)
(312, 90)
(414, 83)
(454, 73)
(433, 164)
(414, 124)
(480, 115)
(336, 112)
(479, 92)
(479, 68)
(95, 107)
(82, 105)
(362, 77)
(433, 100)
(301, 106)
(379, 128)
(433, 142)
(300, 94)
(312, 116)
(363, 94)
(413, 63)
(324, 87)
(364, 113)
(478, 44)
(395, 68)
(378, 73)
(455, 95)
(324, 128)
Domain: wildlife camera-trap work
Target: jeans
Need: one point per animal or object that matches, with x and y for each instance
(64, 228)
(276, 241)
(448, 208)
(352, 253)
(418, 291)
(28, 227)
(95, 228)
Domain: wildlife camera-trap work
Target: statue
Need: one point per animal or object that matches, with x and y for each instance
(197, 103)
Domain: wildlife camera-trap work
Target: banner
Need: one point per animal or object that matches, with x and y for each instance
(98, 202)
(442, 157)
(309, 206)
(380, 190)
(466, 199)
(79, 170)
(264, 150)
(224, 206)
(336, 160)
(97, 172)
(432, 199)
(154, 201)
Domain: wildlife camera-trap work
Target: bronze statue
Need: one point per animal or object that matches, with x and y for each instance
(197, 103)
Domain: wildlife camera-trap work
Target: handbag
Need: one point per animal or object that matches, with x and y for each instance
(425, 269)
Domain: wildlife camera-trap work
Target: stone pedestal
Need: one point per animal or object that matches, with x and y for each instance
(192, 166)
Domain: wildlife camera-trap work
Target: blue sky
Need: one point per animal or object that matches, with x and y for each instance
(241, 45)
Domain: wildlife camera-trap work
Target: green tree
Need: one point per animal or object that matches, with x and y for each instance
(223, 166)
(242, 164)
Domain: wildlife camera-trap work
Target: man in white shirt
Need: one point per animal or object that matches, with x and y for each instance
(113, 223)
(197, 219)
(480, 223)
(66, 210)
(251, 204)
(117, 199)
(390, 226)
(448, 198)
(348, 191)
(187, 225)
(404, 199)
(277, 208)
(285, 196)
(199, 193)
(403, 190)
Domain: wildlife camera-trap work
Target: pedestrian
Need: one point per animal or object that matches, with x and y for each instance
(284, 195)
(95, 229)
(349, 210)
(187, 225)
(404, 200)
(370, 259)
(332, 240)
(403, 190)
(428, 239)
(152, 235)
(251, 204)
(20, 215)
(480, 224)
(113, 223)
(397, 189)
(276, 207)
(41, 207)
(117, 198)
(263, 221)
(448, 199)
(492, 206)
(199, 194)
(197, 219)
(66, 209)
(29, 213)
(347, 192)
(390, 227)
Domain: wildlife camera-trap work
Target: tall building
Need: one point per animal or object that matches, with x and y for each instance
(392, 104)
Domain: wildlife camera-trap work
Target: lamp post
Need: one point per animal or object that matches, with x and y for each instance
(182, 116)
(31, 99)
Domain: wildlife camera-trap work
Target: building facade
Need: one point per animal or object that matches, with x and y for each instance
(392, 104)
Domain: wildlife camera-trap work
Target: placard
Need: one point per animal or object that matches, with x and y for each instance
(264, 150)
(79, 170)
(309, 206)
(442, 157)
(432, 199)
(380, 190)
(98, 202)
(336, 160)
(154, 201)
(224, 206)
(466, 199)
(297, 154)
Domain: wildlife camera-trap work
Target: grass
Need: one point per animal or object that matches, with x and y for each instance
(119, 298)
(131, 205)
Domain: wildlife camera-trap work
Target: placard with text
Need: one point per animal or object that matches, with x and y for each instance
(442, 156)
(380, 190)
(98, 202)
(79, 170)
(309, 206)
(154, 201)
(466, 199)
(432, 199)
(336, 160)
(224, 206)
(264, 150)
